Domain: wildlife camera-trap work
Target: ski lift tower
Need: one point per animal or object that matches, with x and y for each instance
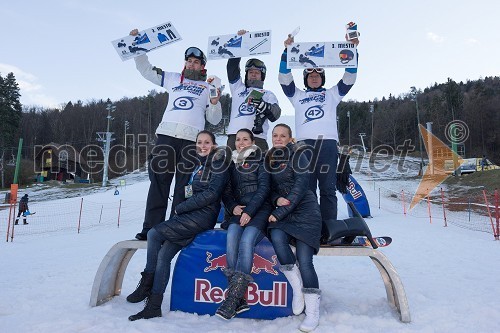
(106, 138)
(362, 135)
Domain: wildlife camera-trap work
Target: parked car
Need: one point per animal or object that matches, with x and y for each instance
(469, 165)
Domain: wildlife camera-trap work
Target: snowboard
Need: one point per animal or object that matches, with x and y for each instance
(363, 241)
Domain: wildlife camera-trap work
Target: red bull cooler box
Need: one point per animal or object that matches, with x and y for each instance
(199, 285)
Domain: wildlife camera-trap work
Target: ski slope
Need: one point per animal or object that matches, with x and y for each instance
(450, 277)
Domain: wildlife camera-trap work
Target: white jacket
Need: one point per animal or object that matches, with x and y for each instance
(188, 102)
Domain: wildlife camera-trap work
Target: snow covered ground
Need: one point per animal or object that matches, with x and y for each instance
(450, 274)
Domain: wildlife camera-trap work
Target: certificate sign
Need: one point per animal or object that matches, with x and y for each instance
(147, 40)
(234, 46)
(322, 54)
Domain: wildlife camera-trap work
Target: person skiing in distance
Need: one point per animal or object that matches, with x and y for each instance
(23, 208)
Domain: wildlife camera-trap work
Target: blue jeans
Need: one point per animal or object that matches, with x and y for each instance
(324, 175)
(240, 247)
(304, 253)
(158, 259)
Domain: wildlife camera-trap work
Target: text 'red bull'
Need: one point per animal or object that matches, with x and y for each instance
(352, 189)
(205, 293)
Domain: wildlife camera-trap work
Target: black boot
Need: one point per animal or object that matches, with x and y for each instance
(236, 292)
(142, 236)
(151, 310)
(242, 305)
(143, 289)
(17, 222)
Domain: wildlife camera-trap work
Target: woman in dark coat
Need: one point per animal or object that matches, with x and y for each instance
(246, 199)
(196, 214)
(296, 220)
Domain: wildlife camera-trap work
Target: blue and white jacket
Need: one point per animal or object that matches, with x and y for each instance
(315, 110)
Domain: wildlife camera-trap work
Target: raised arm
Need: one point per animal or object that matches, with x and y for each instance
(345, 84)
(148, 71)
(285, 77)
(233, 65)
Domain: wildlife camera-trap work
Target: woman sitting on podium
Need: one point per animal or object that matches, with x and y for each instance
(246, 199)
(196, 214)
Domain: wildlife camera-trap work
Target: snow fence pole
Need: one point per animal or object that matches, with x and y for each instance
(100, 216)
(469, 206)
(119, 210)
(12, 221)
(489, 214)
(403, 200)
(444, 210)
(8, 222)
(80, 217)
(429, 208)
(379, 198)
(497, 215)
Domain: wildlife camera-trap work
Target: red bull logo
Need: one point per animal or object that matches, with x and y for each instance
(198, 285)
(352, 189)
(259, 263)
(218, 262)
(205, 293)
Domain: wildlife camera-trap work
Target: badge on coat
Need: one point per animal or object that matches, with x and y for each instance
(188, 191)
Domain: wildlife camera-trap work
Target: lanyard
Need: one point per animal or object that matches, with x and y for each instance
(198, 168)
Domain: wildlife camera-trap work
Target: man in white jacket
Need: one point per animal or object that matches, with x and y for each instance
(247, 112)
(184, 116)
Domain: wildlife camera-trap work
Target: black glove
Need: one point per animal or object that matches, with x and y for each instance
(261, 107)
(343, 172)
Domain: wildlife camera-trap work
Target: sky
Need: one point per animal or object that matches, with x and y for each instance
(450, 275)
(60, 50)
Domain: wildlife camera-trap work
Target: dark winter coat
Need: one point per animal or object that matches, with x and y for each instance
(199, 212)
(249, 185)
(290, 180)
(23, 203)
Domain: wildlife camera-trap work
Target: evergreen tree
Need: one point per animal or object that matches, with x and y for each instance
(10, 110)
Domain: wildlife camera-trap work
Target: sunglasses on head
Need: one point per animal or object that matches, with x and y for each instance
(317, 70)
